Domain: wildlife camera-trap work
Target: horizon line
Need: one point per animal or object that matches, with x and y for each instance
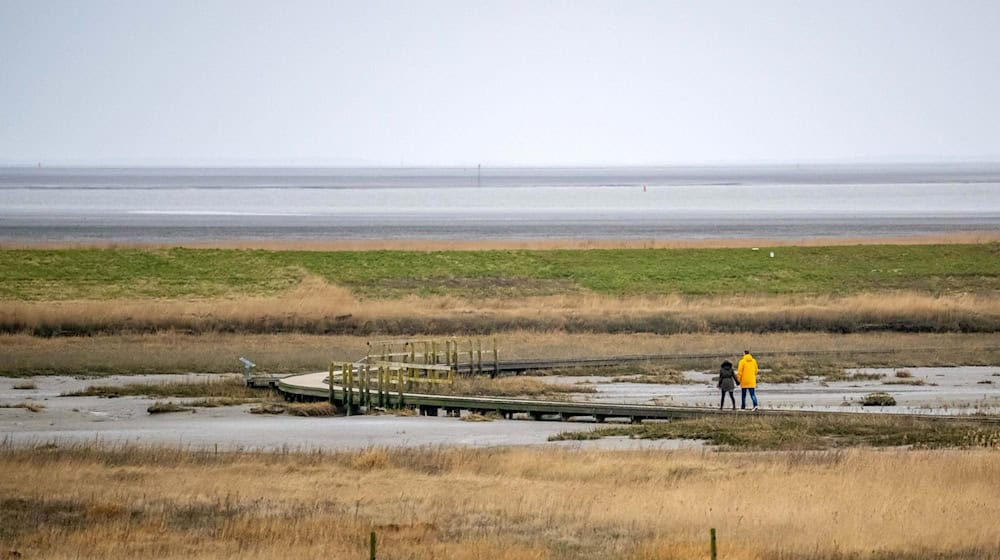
(554, 166)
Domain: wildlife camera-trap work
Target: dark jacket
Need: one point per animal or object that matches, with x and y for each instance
(727, 377)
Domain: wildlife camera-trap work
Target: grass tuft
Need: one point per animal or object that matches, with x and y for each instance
(215, 402)
(878, 398)
(476, 417)
(268, 408)
(169, 406)
(311, 409)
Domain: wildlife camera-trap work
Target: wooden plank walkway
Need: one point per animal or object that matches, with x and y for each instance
(313, 386)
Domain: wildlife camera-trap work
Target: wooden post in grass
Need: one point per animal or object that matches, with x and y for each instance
(371, 546)
(714, 551)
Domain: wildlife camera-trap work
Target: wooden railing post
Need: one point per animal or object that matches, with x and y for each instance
(348, 388)
(366, 395)
(381, 387)
(496, 358)
(399, 388)
(330, 387)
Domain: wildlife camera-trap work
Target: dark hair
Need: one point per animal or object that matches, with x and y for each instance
(727, 363)
(746, 351)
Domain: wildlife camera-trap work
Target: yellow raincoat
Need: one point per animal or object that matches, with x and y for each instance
(746, 372)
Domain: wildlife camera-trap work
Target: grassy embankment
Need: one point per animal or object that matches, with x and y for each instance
(135, 503)
(933, 288)
(137, 307)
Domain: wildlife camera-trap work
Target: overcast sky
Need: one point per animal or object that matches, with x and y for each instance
(498, 83)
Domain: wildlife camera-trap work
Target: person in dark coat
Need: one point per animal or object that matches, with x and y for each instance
(727, 383)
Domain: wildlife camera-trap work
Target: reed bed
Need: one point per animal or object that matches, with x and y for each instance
(318, 308)
(826, 354)
(502, 387)
(126, 502)
(229, 388)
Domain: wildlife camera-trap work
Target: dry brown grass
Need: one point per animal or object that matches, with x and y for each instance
(228, 387)
(173, 352)
(503, 387)
(499, 503)
(311, 409)
(315, 306)
(24, 355)
(160, 407)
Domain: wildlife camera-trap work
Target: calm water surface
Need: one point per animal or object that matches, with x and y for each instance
(178, 205)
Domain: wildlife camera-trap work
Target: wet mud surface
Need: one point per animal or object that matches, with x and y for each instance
(125, 420)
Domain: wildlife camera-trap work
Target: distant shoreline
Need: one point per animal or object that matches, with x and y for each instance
(957, 238)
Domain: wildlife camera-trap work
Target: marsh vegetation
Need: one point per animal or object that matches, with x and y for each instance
(125, 502)
(747, 431)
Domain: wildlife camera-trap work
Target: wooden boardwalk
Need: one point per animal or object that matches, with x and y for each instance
(314, 386)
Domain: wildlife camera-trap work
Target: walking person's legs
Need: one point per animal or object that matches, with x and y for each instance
(723, 400)
(753, 397)
(743, 399)
(731, 398)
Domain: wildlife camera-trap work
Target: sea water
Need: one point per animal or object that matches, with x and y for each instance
(175, 205)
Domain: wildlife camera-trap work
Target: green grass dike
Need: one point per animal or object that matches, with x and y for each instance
(65, 274)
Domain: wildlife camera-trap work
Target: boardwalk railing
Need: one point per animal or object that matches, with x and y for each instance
(461, 356)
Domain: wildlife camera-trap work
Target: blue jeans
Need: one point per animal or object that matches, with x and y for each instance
(753, 396)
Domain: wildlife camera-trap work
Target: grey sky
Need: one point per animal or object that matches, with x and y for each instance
(465, 82)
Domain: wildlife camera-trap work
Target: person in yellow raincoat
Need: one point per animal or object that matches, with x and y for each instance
(746, 376)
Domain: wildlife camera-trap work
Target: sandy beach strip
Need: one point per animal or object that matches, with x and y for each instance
(957, 238)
